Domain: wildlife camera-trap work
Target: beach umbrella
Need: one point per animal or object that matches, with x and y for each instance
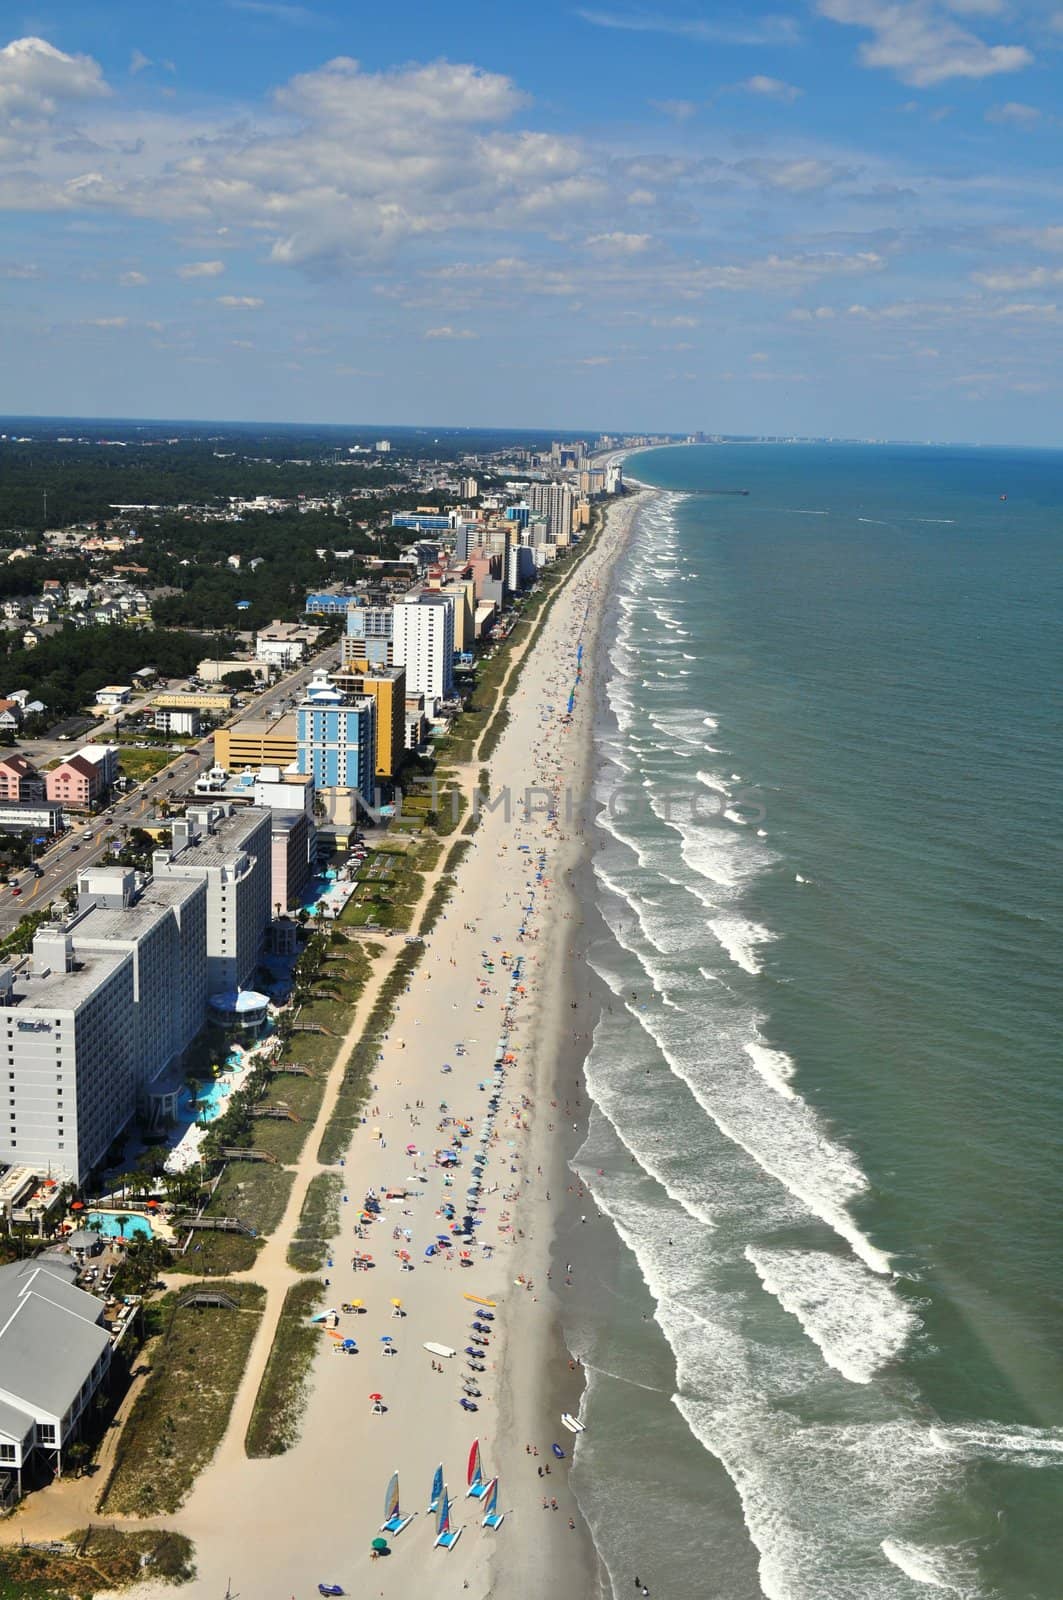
(379, 1544)
(376, 1398)
(78, 1205)
(385, 1338)
(396, 1302)
(349, 1344)
(357, 1304)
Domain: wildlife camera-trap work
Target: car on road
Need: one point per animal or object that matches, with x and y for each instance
(15, 889)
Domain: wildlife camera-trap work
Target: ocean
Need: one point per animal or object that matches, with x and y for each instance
(825, 1353)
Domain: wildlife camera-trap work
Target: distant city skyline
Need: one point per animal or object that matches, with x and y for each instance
(837, 219)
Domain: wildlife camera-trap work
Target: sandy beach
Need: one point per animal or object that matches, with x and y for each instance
(278, 1527)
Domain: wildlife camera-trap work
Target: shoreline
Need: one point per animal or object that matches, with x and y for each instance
(272, 1525)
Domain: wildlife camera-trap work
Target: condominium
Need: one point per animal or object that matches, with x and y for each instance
(424, 644)
(370, 634)
(386, 687)
(556, 502)
(71, 1055)
(230, 849)
(336, 738)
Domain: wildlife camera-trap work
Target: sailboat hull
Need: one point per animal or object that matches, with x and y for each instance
(494, 1519)
(395, 1524)
(448, 1540)
(476, 1491)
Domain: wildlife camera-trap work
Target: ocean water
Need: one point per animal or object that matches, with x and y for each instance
(825, 1357)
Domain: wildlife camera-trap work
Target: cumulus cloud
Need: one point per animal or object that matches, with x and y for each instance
(201, 269)
(771, 88)
(922, 45)
(132, 280)
(36, 79)
(447, 332)
(239, 302)
(138, 61)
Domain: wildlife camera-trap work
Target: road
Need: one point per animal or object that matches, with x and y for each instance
(70, 855)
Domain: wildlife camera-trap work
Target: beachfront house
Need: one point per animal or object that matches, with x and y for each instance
(54, 1355)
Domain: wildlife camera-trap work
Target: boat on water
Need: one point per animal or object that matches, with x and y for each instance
(573, 1424)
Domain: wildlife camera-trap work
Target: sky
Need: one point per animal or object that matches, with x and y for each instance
(838, 218)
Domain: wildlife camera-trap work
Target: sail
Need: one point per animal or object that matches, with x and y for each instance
(391, 1498)
(443, 1519)
(437, 1485)
(492, 1498)
(475, 1474)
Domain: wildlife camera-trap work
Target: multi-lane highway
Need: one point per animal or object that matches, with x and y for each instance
(62, 862)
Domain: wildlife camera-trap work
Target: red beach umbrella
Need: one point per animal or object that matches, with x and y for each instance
(376, 1397)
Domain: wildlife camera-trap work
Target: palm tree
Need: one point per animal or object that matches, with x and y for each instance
(120, 1222)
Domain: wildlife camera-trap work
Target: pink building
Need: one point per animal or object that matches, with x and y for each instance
(76, 783)
(16, 774)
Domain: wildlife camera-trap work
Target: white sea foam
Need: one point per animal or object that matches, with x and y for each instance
(740, 939)
(774, 1066)
(858, 1322)
(712, 780)
(921, 1565)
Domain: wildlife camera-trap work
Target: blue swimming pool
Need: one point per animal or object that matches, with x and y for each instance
(106, 1222)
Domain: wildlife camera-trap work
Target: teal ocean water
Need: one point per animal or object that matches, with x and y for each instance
(825, 1358)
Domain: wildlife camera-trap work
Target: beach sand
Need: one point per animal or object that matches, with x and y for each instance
(278, 1527)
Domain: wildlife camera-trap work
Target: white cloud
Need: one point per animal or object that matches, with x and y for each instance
(798, 177)
(239, 302)
(769, 29)
(1015, 114)
(201, 269)
(1049, 239)
(447, 332)
(771, 88)
(23, 271)
(619, 244)
(132, 280)
(680, 110)
(274, 11)
(914, 40)
(1012, 278)
(106, 322)
(138, 61)
(36, 79)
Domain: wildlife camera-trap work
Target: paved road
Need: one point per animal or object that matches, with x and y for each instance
(72, 854)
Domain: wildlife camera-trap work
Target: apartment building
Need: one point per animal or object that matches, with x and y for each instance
(336, 743)
(229, 848)
(424, 645)
(386, 687)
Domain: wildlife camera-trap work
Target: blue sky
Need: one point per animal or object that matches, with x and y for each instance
(837, 218)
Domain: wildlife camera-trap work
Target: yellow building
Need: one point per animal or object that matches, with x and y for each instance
(194, 700)
(386, 686)
(256, 742)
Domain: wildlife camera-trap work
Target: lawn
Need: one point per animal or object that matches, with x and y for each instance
(319, 1222)
(105, 1558)
(181, 1414)
(274, 1425)
(141, 764)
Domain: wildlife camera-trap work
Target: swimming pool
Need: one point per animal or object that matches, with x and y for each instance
(107, 1222)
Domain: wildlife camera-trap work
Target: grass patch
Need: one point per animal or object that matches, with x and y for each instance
(212, 1255)
(181, 1414)
(274, 1425)
(105, 1558)
(319, 1222)
(141, 764)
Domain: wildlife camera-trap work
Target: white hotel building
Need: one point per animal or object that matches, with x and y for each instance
(424, 644)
